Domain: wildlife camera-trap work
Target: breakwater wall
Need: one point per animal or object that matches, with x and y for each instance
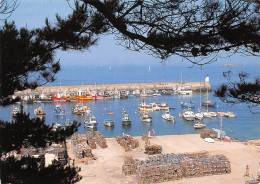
(194, 86)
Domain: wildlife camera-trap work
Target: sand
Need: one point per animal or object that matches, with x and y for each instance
(107, 168)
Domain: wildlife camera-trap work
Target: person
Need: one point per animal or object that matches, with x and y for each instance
(258, 175)
(247, 171)
(123, 135)
(149, 134)
(153, 132)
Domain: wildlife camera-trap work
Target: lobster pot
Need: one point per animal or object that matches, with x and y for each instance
(128, 143)
(145, 137)
(91, 140)
(207, 134)
(79, 146)
(153, 149)
(100, 139)
(130, 165)
(169, 167)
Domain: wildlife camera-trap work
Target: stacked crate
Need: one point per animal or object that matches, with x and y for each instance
(128, 143)
(91, 141)
(153, 149)
(207, 134)
(169, 167)
(100, 139)
(80, 147)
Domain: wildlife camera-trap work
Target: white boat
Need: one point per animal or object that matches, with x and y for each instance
(168, 117)
(80, 110)
(109, 123)
(209, 114)
(199, 115)
(91, 123)
(146, 118)
(188, 115)
(15, 111)
(155, 106)
(230, 114)
(39, 112)
(199, 125)
(126, 120)
(164, 106)
(209, 140)
(145, 107)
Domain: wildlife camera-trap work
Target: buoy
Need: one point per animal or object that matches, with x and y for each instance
(105, 109)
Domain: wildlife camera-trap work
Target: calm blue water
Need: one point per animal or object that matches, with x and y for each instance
(244, 125)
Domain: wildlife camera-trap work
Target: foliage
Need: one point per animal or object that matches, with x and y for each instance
(196, 30)
(241, 91)
(28, 170)
(35, 132)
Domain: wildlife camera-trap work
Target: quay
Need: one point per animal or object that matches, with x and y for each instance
(194, 86)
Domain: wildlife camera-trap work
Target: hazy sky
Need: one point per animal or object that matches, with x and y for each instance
(32, 13)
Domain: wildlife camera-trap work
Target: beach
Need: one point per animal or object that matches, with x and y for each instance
(107, 168)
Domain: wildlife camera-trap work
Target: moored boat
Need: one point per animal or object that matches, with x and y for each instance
(15, 111)
(168, 117)
(91, 122)
(187, 105)
(146, 118)
(39, 112)
(188, 115)
(109, 123)
(59, 111)
(199, 125)
(126, 120)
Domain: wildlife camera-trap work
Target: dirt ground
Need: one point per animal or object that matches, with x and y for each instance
(107, 168)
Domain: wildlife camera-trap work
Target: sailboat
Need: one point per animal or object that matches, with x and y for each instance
(109, 67)
(149, 68)
(207, 102)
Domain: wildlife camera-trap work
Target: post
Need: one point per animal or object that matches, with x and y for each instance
(221, 126)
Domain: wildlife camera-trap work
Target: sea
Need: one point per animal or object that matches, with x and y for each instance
(245, 126)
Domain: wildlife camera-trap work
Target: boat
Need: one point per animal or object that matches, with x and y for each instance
(15, 111)
(209, 140)
(126, 120)
(155, 106)
(145, 107)
(207, 103)
(66, 124)
(188, 115)
(91, 122)
(230, 114)
(164, 106)
(39, 112)
(109, 123)
(80, 110)
(187, 105)
(199, 115)
(168, 117)
(59, 111)
(199, 125)
(146, 118)
(58, 98)
(110, 113)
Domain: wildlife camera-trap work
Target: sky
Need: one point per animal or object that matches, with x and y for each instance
(32, 14)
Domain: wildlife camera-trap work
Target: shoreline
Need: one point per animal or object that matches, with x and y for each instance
(107, 168)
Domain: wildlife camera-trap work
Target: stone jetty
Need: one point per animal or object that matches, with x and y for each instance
(194, 86)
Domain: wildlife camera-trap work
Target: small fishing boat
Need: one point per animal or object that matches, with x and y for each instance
(109, 123)
(199, 125)
(126, 120)
(80, 110)
(166, 116)
(91, 122)
(188, 115)
(164, 106)
(59, 111)
(230, 114)
(208, 103)
(187, 105)
(146, 118)
(155, 106)
(15, 111)
(110, 113)
(39, 112)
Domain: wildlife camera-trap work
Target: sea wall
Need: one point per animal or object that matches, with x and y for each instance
(195, 86)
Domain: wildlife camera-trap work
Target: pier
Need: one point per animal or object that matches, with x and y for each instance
(194, 86)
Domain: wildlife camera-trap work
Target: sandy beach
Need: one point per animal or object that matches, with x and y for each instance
(107, 168)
